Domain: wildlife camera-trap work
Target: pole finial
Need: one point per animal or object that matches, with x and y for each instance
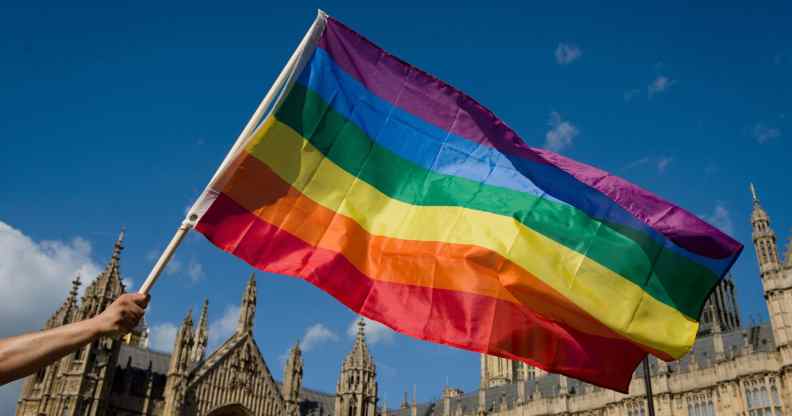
(753, 193)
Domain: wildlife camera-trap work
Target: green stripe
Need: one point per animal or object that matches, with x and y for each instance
(674, 280)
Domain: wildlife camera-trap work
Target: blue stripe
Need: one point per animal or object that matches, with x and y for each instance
(431, 147)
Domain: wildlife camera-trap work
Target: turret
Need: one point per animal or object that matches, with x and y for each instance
(107, 286)
(175, 387)
(292, 380)
(247, 310)
(356, 391)
(764, 239)
(775, 287)
(201, 334)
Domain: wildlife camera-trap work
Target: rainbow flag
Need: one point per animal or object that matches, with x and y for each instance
(415, 206)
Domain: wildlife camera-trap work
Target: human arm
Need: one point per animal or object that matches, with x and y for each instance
(24, 354)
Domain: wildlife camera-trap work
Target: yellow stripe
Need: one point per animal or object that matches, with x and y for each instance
(615, 301)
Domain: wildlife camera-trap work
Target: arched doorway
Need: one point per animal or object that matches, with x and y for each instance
(235, 409)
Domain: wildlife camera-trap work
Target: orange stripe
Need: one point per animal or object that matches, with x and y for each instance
(464, 268)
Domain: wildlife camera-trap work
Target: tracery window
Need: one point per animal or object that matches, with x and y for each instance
(761, 401)
(701, 404)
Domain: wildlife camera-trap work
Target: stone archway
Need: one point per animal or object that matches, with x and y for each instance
(235, 409)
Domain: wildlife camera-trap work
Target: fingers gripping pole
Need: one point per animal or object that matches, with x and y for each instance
(165, 256)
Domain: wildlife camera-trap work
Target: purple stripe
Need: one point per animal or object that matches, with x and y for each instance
(419, 93)
(682, 227)
(444, 106)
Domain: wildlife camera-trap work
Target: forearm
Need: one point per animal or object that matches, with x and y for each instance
(22, 355)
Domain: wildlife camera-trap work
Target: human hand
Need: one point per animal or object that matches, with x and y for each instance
(122, 315)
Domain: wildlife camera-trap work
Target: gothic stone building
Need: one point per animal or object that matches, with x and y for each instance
(732, 370)
(122, 377)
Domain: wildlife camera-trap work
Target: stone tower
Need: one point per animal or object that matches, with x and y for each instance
(77, 383)
(90, 370)
(201, 335)
(356, 392)
(777, 291)
(292, 380)
(247, 310)
(176, 386)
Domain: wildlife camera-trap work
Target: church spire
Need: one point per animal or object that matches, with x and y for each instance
(201, 334)
(247, 310)
(753, 193)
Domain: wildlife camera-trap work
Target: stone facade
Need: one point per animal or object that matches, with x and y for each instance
(123, 377)
(732, 369)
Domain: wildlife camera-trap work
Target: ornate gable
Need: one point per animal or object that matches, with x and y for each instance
(235, 373)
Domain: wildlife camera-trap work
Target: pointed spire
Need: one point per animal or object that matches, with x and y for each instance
(75, 287)
(119, 244)
(188, 318)
(201, 334)
(292, 380)
(247, 311)
(359, 357)
(361, 331)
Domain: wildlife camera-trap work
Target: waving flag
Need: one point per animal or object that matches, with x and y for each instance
(417, 207)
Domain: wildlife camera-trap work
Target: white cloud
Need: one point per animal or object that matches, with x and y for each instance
(764, 133)
(660, 84)
(221, 329)
(195, 270)
(162, 336)
(128, 283)
(561, 133)
(720, 218)
(316, 335)
(375, 331)
(567, 53)
(662, 164)
(36, 277)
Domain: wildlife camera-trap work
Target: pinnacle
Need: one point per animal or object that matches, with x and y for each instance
(75, 286)
(188, 317)
(119, 244)
(361, 331)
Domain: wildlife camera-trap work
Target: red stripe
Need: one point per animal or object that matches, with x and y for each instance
(463, 320)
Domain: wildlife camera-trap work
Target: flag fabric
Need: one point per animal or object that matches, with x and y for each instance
(417, 207)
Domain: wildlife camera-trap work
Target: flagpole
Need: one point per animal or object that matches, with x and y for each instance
(648, 385)
(274, 92)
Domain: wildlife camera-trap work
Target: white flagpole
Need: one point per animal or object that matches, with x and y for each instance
(274, 92)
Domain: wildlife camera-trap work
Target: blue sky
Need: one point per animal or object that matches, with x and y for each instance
(119, 115)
